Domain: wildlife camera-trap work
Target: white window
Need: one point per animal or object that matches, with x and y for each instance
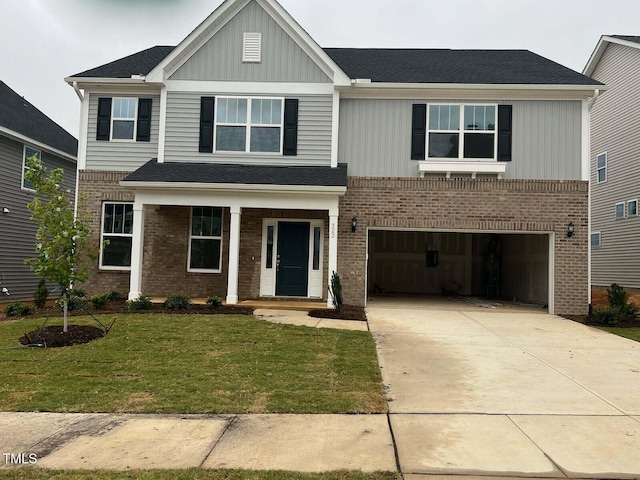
(632, 208)
(117, 236)
(602, 168)
(462, 131)
(249, 124)
(595, 239)
(205, 243)
(123, 118)
(620, 210)
(27, 154)
(252, 47)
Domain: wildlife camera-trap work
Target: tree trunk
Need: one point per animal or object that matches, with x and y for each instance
(66, 304)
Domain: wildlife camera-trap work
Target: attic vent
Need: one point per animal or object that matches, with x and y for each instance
(252, 48)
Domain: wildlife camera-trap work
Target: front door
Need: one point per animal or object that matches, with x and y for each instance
(292, 260)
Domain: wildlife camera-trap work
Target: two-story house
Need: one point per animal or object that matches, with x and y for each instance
(25, 131)
(615, 149)
(249, 162)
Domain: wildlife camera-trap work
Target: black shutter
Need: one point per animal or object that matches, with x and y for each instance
(207, 105)
(144, 120)
(104, 119)
(419, 132)
(505, 118)
(290, 146)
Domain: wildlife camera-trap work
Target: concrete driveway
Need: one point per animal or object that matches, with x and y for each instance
(507, 392)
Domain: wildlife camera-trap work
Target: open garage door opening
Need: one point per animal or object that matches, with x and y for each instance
(499, 266)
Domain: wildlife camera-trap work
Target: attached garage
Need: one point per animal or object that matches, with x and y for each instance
(510, 266)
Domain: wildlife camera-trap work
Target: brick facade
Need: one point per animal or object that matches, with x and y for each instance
(486, 205)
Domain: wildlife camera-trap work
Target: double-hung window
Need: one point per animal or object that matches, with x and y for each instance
(249, 124)
(620, 210)
(117, 236)
(632, 208)
(205, 243)
(595, 239)
(123, 119)
(28, 153)
(602, 167)
(462, 131)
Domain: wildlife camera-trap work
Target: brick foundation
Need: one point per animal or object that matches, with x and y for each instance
(464, 204)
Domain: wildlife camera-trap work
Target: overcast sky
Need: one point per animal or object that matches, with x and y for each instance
(44, 41)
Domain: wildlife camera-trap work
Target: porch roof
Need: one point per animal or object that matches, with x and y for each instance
(153, 172)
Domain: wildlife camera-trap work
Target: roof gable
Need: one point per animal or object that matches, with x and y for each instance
(605, 40)
(21, 117)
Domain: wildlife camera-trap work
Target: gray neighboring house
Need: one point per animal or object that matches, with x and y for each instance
(25, 130)
(615, 165)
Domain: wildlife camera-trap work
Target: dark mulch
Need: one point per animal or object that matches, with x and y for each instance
(53, 336)
(348, 312)
(593, 322)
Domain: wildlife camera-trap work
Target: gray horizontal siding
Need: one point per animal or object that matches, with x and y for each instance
(221, 57)
(615, 130)
(375, 138)
(17, 230)
(120, 156)
(183, 133)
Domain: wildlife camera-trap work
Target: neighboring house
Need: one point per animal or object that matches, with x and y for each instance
(615, 165)
(25, 131)
(248, 162)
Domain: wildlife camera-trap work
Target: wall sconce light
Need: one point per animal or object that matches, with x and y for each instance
(354, 224)
(570, 229)
(5, 210)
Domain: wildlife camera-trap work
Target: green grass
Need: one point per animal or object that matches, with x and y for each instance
(633, 332)
(38, 474)
(193, 364)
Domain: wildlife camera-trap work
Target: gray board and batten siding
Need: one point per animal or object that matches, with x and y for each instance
(120, 155)
(615, 130)
(375, 138)
(220, 59)
(314, 133)
(17, 230)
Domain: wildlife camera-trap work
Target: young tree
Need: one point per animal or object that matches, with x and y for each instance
(60, 236)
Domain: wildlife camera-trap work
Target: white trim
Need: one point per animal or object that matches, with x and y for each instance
(250, 88)
(123, 235)
(162, 125)
(41, 146)
(333, 250)
(136, 102)
(234, 255)
(586, 141)
(551, 302)
(335, 129)
(323, 190)
(490, 167)
(205, 237)
(601, 46)
(83, 133)
(137, 251)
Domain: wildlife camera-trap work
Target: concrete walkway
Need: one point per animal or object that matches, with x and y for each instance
(504, 393)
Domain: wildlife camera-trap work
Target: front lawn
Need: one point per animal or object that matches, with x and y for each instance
(164, 363)
(37, 474)
(628, 332)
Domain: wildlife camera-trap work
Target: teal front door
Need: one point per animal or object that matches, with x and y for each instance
(292, 261)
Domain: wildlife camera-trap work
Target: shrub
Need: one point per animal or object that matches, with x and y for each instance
(608, 315)
(617, 295)
(75, 303)
(335, 289)
(113, 296)
(77, 292)
(214, 302)
(99, 301)
(177, 301)
(41, 294)
(17, 309)
(140, 303)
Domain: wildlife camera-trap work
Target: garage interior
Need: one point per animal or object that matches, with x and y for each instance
(512, 267)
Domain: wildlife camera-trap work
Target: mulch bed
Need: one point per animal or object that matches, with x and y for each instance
(53, 336)
(348, 312)
(592, 322)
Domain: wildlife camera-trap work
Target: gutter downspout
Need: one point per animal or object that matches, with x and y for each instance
(590, 103)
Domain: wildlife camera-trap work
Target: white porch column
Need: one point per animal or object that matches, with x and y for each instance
(234, 256)
(333, 249)
(137, 247)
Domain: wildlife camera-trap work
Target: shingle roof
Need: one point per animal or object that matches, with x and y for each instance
(454, 66)
(628, 38)
(140, 63)
(20, 116)
(518, 67)
(153, 172)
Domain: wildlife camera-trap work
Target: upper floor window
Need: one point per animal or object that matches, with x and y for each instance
(632, 208)
(116, 236)
(602, 167)
(620, 210)
(27, 154)
(124, 119)
(249, 124)
(462, 131)
(595, 239)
